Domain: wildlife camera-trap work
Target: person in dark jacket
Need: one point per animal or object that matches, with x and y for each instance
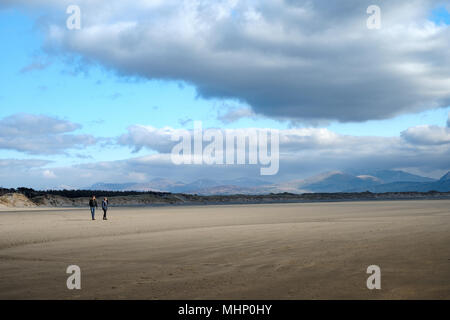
(105, 207)
(93, 205)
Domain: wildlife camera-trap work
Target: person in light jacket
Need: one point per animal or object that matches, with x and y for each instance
(93, 205)
(105, 207)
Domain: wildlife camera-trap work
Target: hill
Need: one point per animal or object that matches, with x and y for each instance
(15, 200)
(441, 185)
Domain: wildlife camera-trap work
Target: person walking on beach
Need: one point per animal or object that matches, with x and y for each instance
(93, 205)
(105, 207)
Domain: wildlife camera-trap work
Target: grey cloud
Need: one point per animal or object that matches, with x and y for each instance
(427, 135)
(297, 60)
(235, 114)
(28, 125)
(39, 134)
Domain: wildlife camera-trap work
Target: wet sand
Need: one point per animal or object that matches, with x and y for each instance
(271, 251)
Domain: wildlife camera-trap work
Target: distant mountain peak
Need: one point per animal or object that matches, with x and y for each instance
(388, 176)
(368, 177)
(445, 177)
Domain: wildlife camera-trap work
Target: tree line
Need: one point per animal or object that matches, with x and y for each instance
(31, 193)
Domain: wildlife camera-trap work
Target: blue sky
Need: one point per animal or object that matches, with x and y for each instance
(105, 100)
(440, 15)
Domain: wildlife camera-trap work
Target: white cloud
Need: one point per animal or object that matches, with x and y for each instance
(40, 134)
(298, 139)
(21, 172)
(48, 174)
(140, 136)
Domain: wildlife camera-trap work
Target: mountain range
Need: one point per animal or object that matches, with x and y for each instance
(335, 181)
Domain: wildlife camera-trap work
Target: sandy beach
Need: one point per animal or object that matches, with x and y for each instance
(271, 251)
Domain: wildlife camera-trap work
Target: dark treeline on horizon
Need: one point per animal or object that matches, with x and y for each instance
(31, 193)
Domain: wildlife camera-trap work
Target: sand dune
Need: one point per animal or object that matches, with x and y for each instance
(15, 200)
(279, 251)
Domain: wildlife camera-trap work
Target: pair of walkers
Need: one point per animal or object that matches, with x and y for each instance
(93, 205)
